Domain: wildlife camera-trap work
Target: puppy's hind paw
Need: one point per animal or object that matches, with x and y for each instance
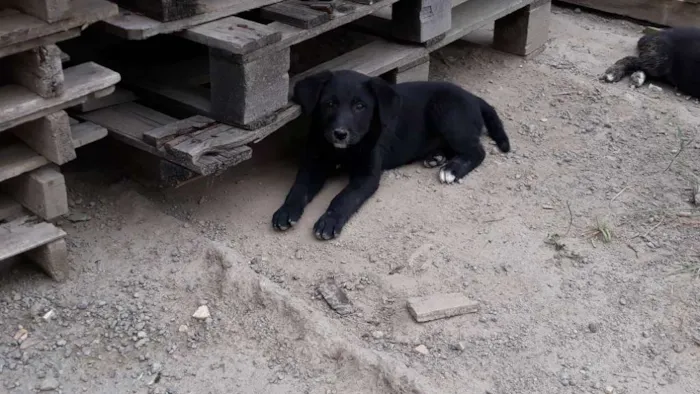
(434, 161)
(638, 78)
(613, 74)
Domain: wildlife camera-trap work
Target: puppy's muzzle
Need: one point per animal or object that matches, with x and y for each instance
(341, 135)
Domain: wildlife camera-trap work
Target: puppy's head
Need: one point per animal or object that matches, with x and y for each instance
(347, 105)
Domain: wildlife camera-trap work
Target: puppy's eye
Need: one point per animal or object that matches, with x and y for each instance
(359, 106)
(330, 104)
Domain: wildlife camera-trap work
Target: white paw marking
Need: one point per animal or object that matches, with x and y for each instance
(638, 78)
(446, 176)
(609, 77)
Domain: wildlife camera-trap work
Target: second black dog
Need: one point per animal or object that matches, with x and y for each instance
(364, 126)
(672, 55)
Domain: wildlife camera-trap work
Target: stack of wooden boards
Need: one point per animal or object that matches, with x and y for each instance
(237, 92)
(36, 134)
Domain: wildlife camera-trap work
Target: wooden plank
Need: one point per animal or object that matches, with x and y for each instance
(85, 133)
(233, 34)
(120, 96)
(139, 27)
(37, 42)
(47, 10)
(295, 13)
(163, 10)
(672, 13)
(49, 136)
(39, 70)
(17, 158)
(19, 105)
(42, 191)
(26, 233)
(346, 12)
(159, 136)
(381, 56)
(194, 143)
(440, 306)
(16, 27)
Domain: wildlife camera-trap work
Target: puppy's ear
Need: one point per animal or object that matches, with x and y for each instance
(308, 90)
(388, 102)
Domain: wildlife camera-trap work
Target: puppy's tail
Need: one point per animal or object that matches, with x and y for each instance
(494, 126)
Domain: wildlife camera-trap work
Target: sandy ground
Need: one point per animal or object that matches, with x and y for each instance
(560, 312)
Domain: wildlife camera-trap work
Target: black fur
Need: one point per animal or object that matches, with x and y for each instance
(366, 126)
(672, 55)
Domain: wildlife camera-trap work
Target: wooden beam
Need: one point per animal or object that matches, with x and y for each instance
(295, 13)
(234, 35)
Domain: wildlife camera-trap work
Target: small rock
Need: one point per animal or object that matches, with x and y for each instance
(82, 305)
(421, 349)
(298, 254)
(49, 315)
(61, 343)
(623, 301)
(202, 313)
(182, 328)
(156, 367)
(377, 334)
(645, 334)
(678, 347)
(49, 384)
(141, 334)
(459, 346)
(77, 216)
(593, 327)
(609, 390)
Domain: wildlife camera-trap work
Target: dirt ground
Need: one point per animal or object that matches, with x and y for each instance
(560, 312)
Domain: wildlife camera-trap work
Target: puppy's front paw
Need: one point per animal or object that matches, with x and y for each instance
(286, 217)
(329, 226)
(447, 176)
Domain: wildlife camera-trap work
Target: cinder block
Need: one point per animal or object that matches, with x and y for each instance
(242, 93)
(52, 258)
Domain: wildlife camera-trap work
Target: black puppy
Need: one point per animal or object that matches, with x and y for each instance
(365, 126)
(672, 55)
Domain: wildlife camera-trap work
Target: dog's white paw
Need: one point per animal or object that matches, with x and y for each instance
(638, 78)
(446, 176)
(609, 78)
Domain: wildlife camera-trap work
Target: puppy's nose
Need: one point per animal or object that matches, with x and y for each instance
(340, 134)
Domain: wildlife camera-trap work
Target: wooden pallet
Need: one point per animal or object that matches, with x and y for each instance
(22, 234)
(20, 31)
(674, 13)
(20, 105)
(522, 27)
